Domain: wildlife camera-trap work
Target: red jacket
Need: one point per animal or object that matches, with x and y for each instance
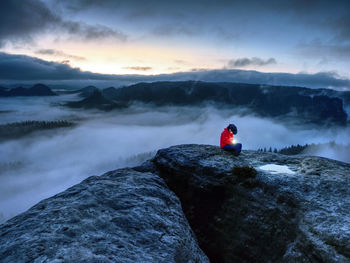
(226, 138)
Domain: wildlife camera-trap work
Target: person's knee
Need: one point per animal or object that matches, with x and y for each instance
(236, 148)
(228, 147)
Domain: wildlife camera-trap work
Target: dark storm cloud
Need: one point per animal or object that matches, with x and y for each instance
(166, 18)
(181, 8)
(20, 67)
(193, 6)
(58, 53)
(21, 20)
(243, 62)
(324, 49)
(89, 32)
(224, 18)
(80, 5)
(342, 26)
(332, 18)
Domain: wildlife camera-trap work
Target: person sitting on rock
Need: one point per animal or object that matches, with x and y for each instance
(227, 142)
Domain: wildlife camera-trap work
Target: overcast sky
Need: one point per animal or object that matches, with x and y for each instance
(157, 37)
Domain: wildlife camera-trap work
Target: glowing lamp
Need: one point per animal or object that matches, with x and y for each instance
(234, 141)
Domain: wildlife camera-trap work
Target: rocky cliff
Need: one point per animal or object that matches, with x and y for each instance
(296, 210)
(123, 216)
(258, 207)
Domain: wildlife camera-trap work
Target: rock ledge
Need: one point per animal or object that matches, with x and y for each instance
(236, 212)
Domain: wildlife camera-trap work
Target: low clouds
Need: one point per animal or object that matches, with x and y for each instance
(244, 62)
(58, 53)
(52, 161)
(23, 20)
(20, 67)
(317, 80)
(138, 68)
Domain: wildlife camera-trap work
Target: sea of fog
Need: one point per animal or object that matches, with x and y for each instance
(44, 163)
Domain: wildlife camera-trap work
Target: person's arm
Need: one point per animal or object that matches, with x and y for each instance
(227, 139)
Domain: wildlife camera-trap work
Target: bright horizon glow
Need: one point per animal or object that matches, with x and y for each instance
(159, 60)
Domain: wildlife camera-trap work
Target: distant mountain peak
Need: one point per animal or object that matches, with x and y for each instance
(36, 90)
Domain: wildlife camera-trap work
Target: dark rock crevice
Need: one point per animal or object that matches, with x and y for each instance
(231, 225)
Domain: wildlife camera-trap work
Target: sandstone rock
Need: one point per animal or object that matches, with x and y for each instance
(121, 216)
(238, 211)
(271, 217)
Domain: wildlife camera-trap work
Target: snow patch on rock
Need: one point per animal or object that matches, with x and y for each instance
(276, 169)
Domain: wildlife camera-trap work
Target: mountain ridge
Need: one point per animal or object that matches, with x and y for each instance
(36, 90)
(266, 101)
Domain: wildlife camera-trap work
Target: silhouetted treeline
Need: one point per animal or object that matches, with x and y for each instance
(18, 129)
(289, 150)
(268, 150)
(293, 149)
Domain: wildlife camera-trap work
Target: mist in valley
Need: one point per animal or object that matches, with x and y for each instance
(44, 163)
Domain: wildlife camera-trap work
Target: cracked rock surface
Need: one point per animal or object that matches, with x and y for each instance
(121, 216)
